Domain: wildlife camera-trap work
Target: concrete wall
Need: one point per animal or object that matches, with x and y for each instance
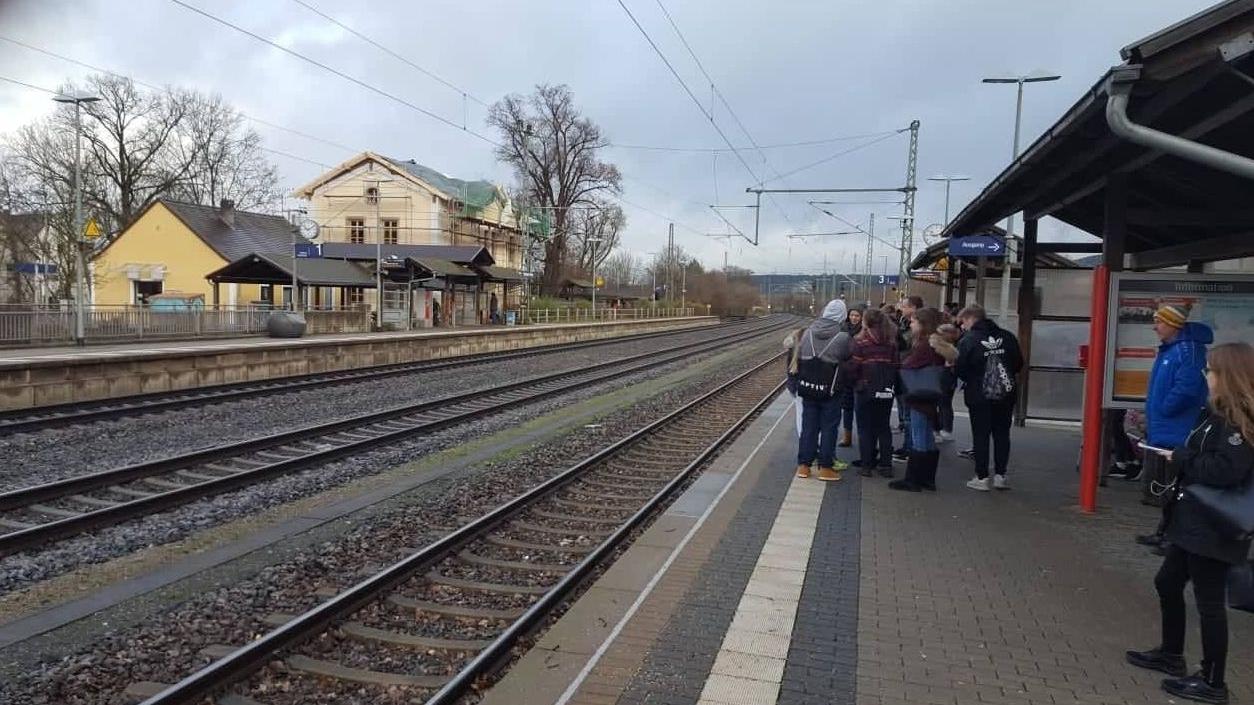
(34, 383)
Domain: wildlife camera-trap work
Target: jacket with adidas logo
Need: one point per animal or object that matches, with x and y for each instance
(985, 339)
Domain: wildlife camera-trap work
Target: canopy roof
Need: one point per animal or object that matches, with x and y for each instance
(461, 254)
(1192, 80)
(938, 251)
(500, 274)
(258, 268)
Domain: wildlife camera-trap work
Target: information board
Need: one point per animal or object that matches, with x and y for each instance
(1225, 303)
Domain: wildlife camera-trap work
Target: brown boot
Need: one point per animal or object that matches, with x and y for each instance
(829, 474)
(803, 471)
(846, 439)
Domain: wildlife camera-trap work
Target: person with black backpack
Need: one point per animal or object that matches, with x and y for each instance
(989, 359)
(818, 355)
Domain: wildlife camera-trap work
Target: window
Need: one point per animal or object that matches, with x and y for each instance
(390, 228)
(267, 294)
(354, 295)
(372, 196)
(357, 230)
(144, 289)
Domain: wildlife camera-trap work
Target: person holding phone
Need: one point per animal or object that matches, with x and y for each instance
(1217, 452)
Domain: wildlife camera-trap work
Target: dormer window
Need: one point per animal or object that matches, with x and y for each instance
(372, 195)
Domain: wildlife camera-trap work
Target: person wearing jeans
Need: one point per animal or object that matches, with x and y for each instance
(1218, 453)
(815, 363)
(873, 371)
(990, 398)
(929, 353)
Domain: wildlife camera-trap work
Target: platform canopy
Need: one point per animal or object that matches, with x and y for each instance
(1193, 80)
(936, 254)
(257, 268)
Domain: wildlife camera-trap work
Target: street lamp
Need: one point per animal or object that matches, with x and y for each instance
(683, 285)
(594, 241)
(948, 181)
(80, 298)
(1004, 299)
(378, 181)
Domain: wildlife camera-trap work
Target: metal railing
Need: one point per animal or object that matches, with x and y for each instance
(55, 325)
(571, 314)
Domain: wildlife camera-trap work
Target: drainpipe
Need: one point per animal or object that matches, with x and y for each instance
(1119, 86)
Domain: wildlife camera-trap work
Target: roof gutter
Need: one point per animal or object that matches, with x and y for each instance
(1119, 86)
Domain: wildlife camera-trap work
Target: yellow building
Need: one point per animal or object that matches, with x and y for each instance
(371, 198)
(172, 245)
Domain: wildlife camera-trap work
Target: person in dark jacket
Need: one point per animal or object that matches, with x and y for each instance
(873, 368)
(852, 326)
(988, 361)
(826, 342)
(1218, 452)
(905, 339)
(928, 353)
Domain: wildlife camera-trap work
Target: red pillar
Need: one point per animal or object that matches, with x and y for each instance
(1094, 378)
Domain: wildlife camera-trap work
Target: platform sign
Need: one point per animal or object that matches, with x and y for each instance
(977, 246)
(888, 279)
(1225, 303)
(308, 250)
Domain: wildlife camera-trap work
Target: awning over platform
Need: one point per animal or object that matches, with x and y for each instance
(258, 268)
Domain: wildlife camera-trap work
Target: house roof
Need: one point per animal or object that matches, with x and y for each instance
(461, 254)
(251, 232)
(500, 274)
(269, 268)
(1184, 84)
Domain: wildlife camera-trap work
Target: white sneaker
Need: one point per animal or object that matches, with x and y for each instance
(1000, 482)
(946, 437)
(979, 485)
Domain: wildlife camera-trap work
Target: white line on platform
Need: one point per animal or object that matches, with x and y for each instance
(657, 577)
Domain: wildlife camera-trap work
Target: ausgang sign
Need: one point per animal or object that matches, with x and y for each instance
(977, 246)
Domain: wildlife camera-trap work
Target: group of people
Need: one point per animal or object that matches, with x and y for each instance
(856, 365)
(1199, 444)
(851, 366)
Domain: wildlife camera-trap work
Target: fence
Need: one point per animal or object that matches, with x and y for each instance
(575, 315)
(103, 324)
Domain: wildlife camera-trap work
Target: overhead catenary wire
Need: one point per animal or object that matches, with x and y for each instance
(782, 145)
(837, 155)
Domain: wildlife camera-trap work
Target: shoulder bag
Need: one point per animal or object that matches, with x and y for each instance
(1231, 509)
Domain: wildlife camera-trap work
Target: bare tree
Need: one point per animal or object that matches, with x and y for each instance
(595, 234)
(553, 149)
(620, 268)
(225, 157)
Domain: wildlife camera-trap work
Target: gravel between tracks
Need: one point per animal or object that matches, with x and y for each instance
(23, 569)
(168, 646)
(57, 453)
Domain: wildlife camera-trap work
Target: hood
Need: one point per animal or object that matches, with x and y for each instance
(835, 310)
(1194, 333)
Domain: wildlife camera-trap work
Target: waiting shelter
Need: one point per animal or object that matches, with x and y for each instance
(1155, 160)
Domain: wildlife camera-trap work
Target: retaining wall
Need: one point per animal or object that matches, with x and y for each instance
(70, 378)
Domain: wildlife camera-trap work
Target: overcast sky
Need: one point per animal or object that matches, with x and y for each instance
(792, 70)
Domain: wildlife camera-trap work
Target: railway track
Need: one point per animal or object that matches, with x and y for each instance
(34, 516)
(430, 627)
(28, 420)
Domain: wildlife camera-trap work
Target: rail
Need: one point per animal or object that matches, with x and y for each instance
(573, 314)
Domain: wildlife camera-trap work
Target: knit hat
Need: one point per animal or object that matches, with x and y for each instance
(1172, 314)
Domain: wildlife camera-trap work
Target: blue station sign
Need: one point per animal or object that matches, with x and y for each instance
(307, 250)
(977, 246)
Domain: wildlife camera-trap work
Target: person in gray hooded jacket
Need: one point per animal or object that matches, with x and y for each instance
(824, 341)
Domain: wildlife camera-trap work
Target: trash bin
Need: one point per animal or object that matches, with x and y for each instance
(286, 324)
(510, 317)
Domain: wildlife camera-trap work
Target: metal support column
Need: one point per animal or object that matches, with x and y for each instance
(907, 212)
(962, 281)
(981, 279)
(1027, 311)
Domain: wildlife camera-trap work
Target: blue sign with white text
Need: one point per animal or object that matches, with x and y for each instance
(308, 250)
(889, 279)
(977, 246)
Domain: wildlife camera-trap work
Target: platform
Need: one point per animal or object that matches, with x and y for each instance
(39, 377)
(757, 587)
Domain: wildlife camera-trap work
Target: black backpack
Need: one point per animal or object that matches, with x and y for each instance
(816, 378)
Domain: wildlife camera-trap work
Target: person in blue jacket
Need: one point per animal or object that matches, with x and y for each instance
(1177, 394)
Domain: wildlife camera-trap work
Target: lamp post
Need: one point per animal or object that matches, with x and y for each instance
(683, 284)
(378, 182)
(948, 181)
(80, 297)
(1004, 298)
(594, 241)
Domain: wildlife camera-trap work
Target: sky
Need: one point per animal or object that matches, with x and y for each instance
(849, 74)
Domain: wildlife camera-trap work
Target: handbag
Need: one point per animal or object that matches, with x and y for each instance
(922, 383)
(1241, 586)
(1231, 509)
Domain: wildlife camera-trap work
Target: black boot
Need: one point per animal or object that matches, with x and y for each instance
(1159, 660)
(914, 469)
(927, 476)
(1201, 687)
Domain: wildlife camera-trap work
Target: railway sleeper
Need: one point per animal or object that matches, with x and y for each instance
(595, 494)
(438, 578)
(15, 525)
(506, 542)
(53, 511)
(361, 632)
(542, 529)
(93, 501)
(130, 491)
(164, 484)
(476, 559)
(196, 476)
(457, 611)
(557, 516)
(328, 669)
(577, 504)
(614, 482)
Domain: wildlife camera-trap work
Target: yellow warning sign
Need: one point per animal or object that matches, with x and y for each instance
(91, 230)
(600, 282)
